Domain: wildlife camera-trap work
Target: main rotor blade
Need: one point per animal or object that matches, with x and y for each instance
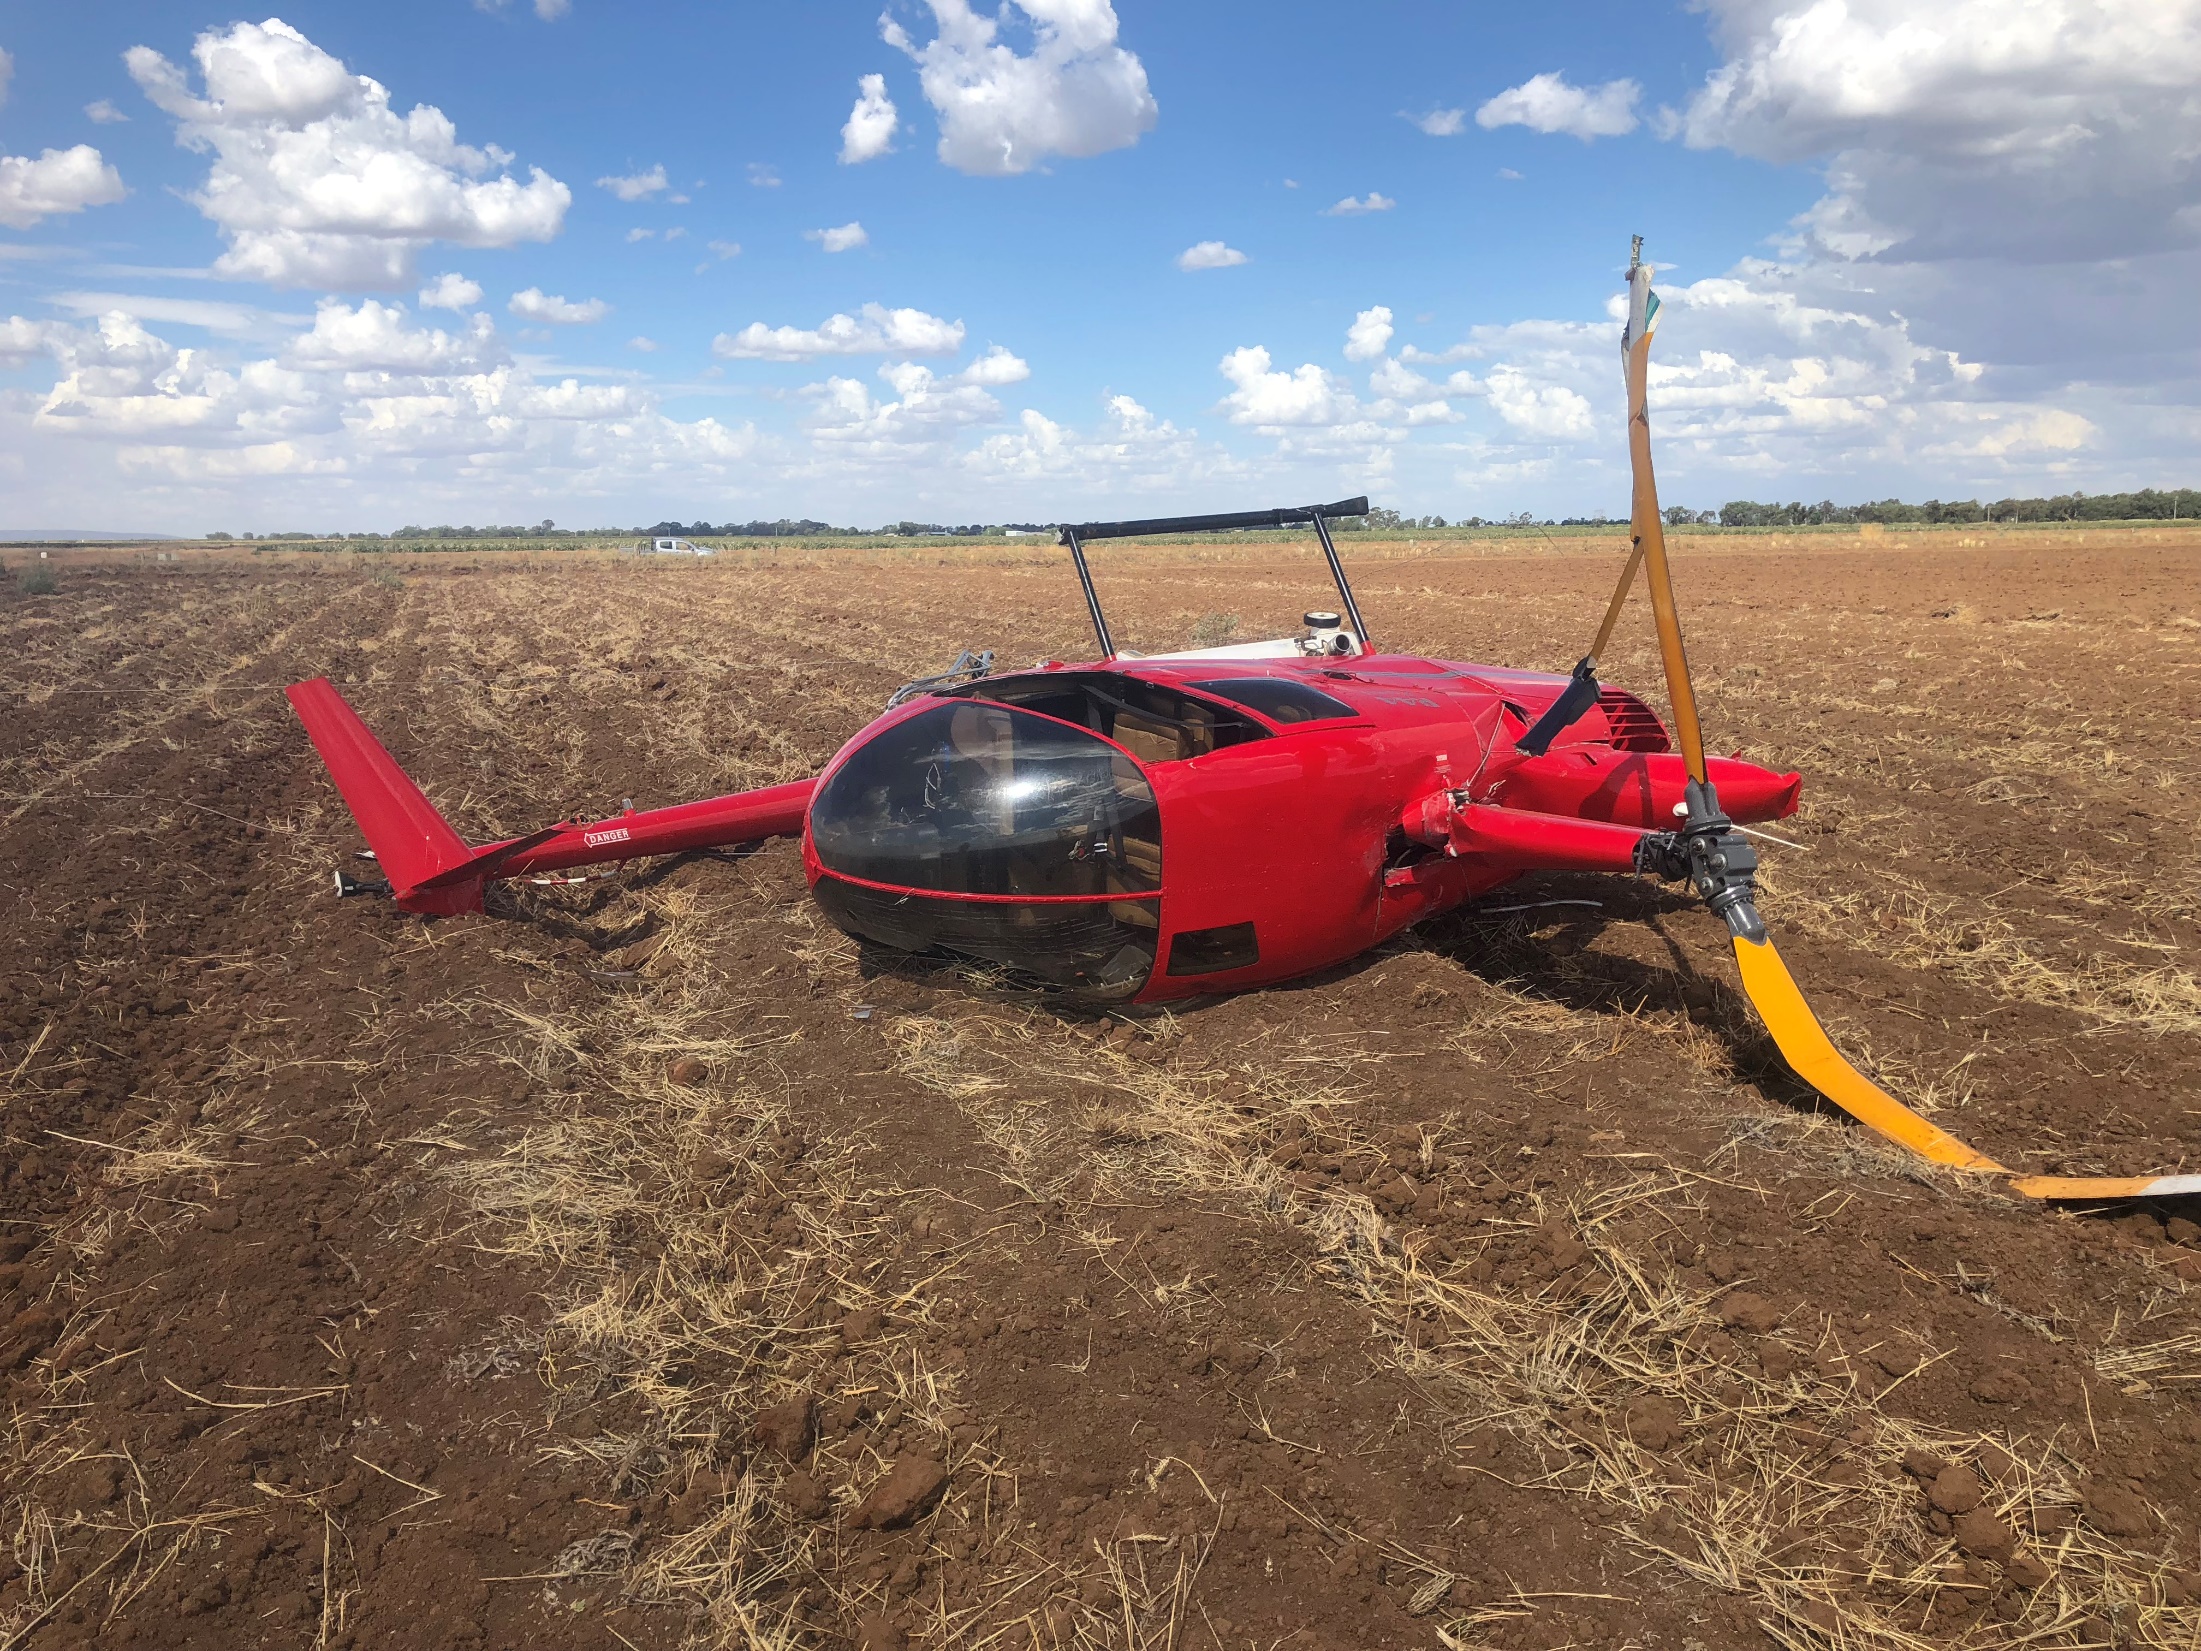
(1805, 1046)
(1765, 978)
(1647, 527)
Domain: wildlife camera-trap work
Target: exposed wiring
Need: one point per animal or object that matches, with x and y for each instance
(1747, 831)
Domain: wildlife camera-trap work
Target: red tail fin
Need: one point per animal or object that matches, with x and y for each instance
(410, 839)
(429, 865)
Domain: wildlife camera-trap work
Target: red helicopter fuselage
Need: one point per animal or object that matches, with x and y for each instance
(1165, 828)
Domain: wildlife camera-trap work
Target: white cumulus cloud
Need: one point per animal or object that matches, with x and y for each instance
(21, 340)
(996, 367)
(1132, 451)
(534, 304)
(450, 291)
(1440, 123)
(2052, 433)
(375, 336)
(1075, 93)
(1408, 398)
(843, 238)
(1550, 103)
(365, 395)
(877, 330)
(637, 186)
(1369, 335)
(1209, 255)
(2049, 130)
(1356, 207)
(1268, 398)
(1552, 411)
(317, 181)
(59, 181)
(869, 130)
(102, 112)
(925, 408)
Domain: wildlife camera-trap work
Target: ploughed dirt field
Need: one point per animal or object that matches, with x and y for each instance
(641, 1265)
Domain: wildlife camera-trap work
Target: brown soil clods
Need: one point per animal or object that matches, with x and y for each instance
(787, 1427)
(1980, 1533)
(911, 1488)
(2117, 1510)
(1744, 1310)
(1955, 1489)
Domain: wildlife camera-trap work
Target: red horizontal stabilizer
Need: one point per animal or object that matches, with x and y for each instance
(411, 841)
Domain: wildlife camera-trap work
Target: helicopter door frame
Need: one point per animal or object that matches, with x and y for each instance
(1074, 539)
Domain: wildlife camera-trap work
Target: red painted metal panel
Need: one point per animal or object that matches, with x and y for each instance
(1541, 842)
(743, 817)
(1641, 788)
(411, 841)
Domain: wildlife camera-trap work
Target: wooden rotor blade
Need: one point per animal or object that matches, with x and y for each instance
(1812, 1056)
(1796, 1031)
(1649, 530)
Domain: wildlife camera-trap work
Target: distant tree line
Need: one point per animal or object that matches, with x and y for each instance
(1526, 518)
(541, 530)
(787, 527)
(2149, 504)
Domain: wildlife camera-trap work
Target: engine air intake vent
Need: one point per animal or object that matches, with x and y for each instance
(1634, 725)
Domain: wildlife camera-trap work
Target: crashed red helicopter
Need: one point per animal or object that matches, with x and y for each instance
(1140, 828)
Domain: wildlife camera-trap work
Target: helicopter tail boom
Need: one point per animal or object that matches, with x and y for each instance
(431, 868)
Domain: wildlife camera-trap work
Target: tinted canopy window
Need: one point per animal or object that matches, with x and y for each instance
(1096, 948)
(1153, 723)
(1280, 699)
(975, 798)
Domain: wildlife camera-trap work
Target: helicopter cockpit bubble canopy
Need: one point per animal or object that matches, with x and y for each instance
(1000, 833)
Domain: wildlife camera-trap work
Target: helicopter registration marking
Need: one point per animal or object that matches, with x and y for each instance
(595, 839)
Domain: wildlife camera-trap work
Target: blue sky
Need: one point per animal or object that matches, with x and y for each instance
(219, 259)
